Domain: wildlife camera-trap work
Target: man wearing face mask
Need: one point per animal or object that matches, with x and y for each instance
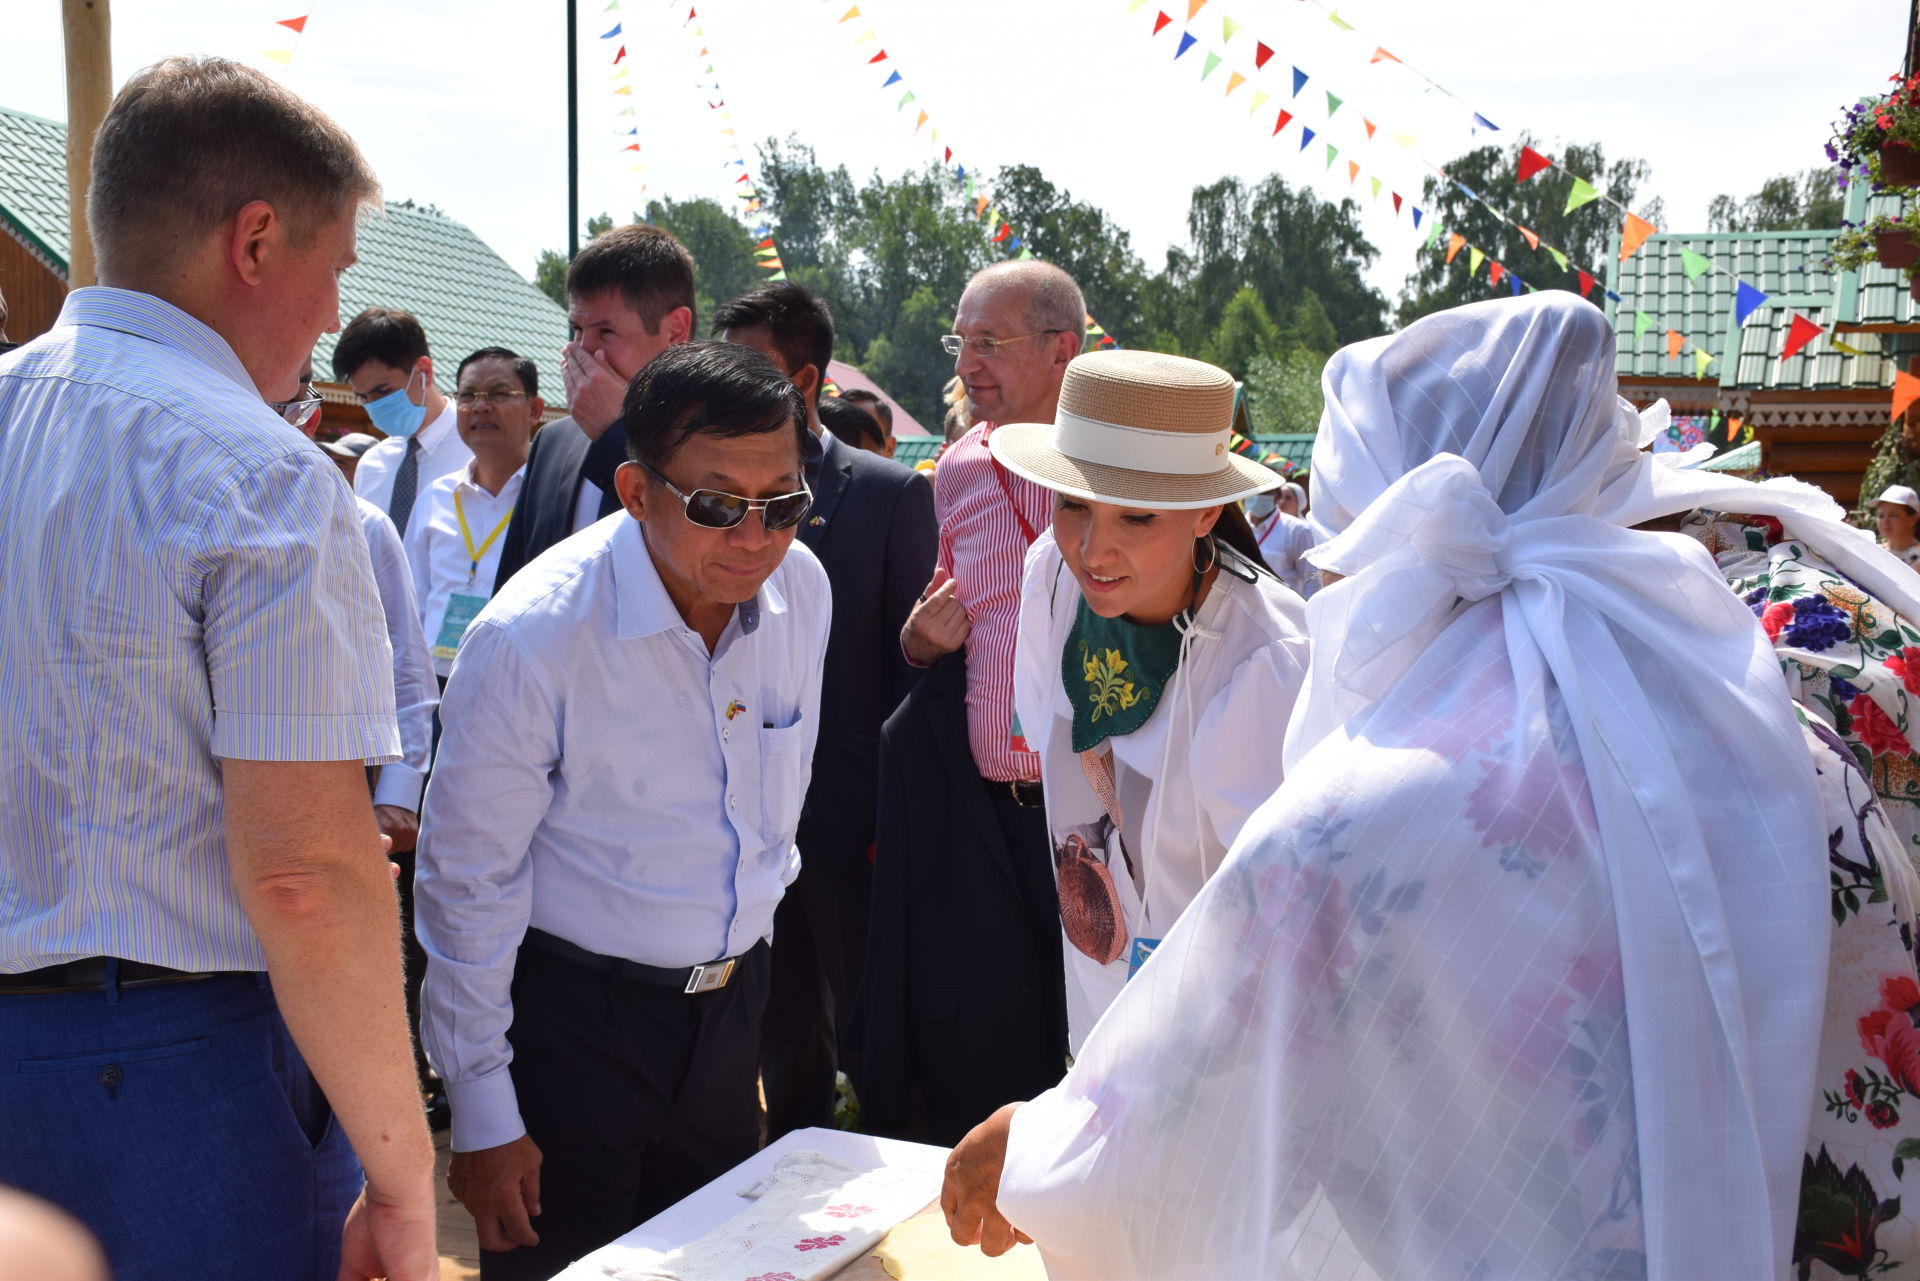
(383, 356)
(1284, 538)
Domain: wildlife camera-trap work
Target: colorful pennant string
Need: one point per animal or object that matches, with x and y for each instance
(299, 28)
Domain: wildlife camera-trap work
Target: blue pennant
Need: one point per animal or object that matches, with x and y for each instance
(1306, 136)
(1482, 122)
(1515, 283)
(1416, 217)
(611, 34)
(1186, 43)
(1299, 81)
(1746, 299)
(890, 80)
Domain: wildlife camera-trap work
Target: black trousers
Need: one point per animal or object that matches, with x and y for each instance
(635, 1094)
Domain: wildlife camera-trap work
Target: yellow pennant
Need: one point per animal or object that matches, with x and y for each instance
(281, 56)
(1234, 81)
(1258, 98)
(851, 13)
(866, 36)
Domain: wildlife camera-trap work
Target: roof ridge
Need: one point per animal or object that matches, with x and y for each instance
(28, 115)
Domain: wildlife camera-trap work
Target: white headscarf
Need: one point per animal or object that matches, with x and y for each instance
(1520, 974)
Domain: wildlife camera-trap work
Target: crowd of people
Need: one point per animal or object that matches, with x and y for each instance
(1499, 863)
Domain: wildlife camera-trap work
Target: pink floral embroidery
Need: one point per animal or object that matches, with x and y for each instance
(820, 1243)
(848, 1211)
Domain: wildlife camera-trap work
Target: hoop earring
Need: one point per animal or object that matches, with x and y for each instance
(1213, 554)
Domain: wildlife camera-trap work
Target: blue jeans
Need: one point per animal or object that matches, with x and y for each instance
(181, 1125)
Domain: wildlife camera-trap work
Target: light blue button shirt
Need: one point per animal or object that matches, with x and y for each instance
(183, 577)
(416, 691)
(603, 778)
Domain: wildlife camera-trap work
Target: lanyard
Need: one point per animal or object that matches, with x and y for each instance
(475, 553)
(1000, 474)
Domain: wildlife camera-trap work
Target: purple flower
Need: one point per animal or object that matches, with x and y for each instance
(1816, 625)
(1843, 691)
(1756, 600)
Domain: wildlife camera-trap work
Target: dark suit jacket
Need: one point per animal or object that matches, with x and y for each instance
(543, 514)
(872, 527)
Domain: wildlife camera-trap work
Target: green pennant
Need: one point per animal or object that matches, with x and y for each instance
(1530, 289)
(1227, 27)
(1583, 193)
(1433, 231)
(611, 6)
(1332, 151)
(1559, 259)
(1213, 60)
(1696, 264)
(1338, 21)
(1333, 104)
(1641, 323)
(1474, 259)
(905, 100)
(1026, 253)
(1700, 362)
(1376, 187)
(778, 275)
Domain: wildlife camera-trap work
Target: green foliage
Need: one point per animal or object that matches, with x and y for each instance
(1855, 247)
(1807, 201)
(1283, 392)
(1894, 463)
(1246, 334)
(1539, 204)
(722, 250)
(550, 271)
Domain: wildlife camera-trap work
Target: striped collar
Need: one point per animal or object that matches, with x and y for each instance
(154, 319)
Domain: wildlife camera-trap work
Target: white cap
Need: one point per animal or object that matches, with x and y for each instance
(1902, 494)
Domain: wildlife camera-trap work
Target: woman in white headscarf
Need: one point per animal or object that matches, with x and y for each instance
(1520, 973)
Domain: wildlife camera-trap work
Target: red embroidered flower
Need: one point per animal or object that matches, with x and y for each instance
(1876, 729)
(848, 1211)
(1776, 618)
(1856, 1090)
(1775, 531)
(820, 1243)
(1882, 1115)
(1889, 1034)
(1906, 665)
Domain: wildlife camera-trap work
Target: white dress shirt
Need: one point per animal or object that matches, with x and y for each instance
(438, 554)
(1284, 540)
(441, 451)
(586, 504)
(415, 692)
(603, 778)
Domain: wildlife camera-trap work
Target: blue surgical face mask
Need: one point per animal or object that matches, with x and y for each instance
(1260, 506)
(395, 414)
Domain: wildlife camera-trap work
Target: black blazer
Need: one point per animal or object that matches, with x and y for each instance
(872, 527)
(543, 514)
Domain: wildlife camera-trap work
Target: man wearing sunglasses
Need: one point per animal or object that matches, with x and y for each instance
(627, 736)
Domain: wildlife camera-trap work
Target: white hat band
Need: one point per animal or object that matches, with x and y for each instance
(1176, 453)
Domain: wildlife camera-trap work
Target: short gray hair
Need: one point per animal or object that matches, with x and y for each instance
(1054, 301)
(190, 141)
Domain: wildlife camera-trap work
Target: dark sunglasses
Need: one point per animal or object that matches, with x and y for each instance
(716, 509)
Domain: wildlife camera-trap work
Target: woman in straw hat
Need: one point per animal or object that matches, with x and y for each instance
(1522, 972)
(1156, 652)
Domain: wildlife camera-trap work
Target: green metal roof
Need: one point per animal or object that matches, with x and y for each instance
(1790, 268)
(1741, 459)
(464, 293)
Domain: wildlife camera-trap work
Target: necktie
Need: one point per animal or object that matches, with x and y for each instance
(406, 484)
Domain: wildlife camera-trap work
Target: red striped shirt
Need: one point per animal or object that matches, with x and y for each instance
(984, 546)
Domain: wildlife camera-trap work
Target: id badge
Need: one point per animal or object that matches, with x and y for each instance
(1138, 953)
(461, 611)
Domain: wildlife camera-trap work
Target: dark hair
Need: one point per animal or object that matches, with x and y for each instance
(650, 270)
(800, 323)
(524, 369)
(716, 388)
(189, 141)
(851, 423)
(386, 334)
(1233, 530)
(868, 400)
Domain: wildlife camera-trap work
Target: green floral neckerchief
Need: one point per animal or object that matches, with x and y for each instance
(1114, 672)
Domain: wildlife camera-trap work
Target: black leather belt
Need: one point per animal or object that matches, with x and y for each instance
(89, 974)
(1026, 794)
(692, 979)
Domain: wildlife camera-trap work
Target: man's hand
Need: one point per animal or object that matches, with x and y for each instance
(390, 1237)
(969, 1197)
(595, 393)
(501, 1189)
(938, 624)
(400, 827)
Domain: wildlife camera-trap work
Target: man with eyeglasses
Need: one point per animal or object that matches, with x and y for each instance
(628, 732)
(964, 987)
(453, 543)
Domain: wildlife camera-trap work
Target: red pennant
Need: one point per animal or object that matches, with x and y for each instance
(1160, 23)
(1494, 273)
(632, 146)
(1260, 55)
(691, 15)
(765, 244)
(1676, 343)
(1003, 233)
(1532, 162)
(1801, 332)
(297, 24)
(1369, 124)
(1281, 122)
(742, 178)
(1906, 390)
(949, 151)
(1396, 202)
(1586, 284)
(620, 55)
(878, 57)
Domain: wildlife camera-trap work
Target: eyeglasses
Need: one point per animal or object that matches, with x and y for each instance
(717, 509)
(468, 399)
(954, 344)
(300, 411)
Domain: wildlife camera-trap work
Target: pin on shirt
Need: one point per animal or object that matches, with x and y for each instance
(735, 708)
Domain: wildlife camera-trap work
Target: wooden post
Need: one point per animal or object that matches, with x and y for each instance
(89, 94)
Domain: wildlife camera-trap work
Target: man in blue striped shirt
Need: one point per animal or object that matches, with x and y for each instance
(200, 1005)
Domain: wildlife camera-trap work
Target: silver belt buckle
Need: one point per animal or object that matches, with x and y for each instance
(710, 977)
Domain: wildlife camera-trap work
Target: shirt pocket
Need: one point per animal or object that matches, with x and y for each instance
(784, 769)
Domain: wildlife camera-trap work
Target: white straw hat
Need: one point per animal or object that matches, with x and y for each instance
(1902, 494)
(1137, 429)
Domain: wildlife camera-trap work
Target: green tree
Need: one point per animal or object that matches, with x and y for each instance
(1807, 201)
(1539, 204)
(1080, 239)
(721, 248)
(1283, 392)
(550, 272)
(1245, 334)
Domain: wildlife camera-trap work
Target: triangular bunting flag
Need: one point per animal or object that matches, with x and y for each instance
(1213, 60)
(1281, 122)
(1583, 193)
(1259, 99)
(765, 244)
(1801, 332)
(1306, 136)
(1260, 55)
(605, 35)
(774, 263)
(1333, 103)
(904, 100)
(300, 24)
(618, 56)
(1481, 122)
(1633, 233)
(1186, 43)
(1333, 153)
(1003, 233)
(1531, 237)
(281, 56)
(878, 57)
(1234, 81)
(1455, 243)
(1641, 323)
(1745, 299)
(1376, 187)
(1228, 28)
(626, 89)
(1531, 163)
(979, 206)
(1849, 348)
(1369, 124)
(1906, 389)
(1404, 139)
(891, 80)
(1133, 6)
(1299, 81)
(1338, 21)
(1559, 259)
(1396, 202)
(850, 14)
(1695, 264)
(1433, 228)
(1676, 343)
(632, 146)
(1160, 23)
(922, 120)
(1586, 283)
(1194, 7)
(1353, 172)
(1381, 55)
(1516, 284)
(1700, 362)
(949, 155)
(1494, 273)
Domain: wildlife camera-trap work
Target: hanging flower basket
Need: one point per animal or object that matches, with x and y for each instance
(1895, 248)
(1899, 164)
(1877, 138)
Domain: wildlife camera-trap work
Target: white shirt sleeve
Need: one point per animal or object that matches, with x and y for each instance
(1233, 762)
(416, 692)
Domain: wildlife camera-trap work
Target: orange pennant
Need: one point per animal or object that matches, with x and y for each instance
(849, 15)
(297, 24)
(1676, 343)
(1455, 243)
(1381, 55)
(1193, 7)
(979, 206)
(1532, 237)
(1369, 124)
(1234, 81)
(769, 262)
(922, 120)
(1906, 390)
(1633, 234)
(1353, 172)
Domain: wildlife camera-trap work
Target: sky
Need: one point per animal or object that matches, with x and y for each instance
(463, 105)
